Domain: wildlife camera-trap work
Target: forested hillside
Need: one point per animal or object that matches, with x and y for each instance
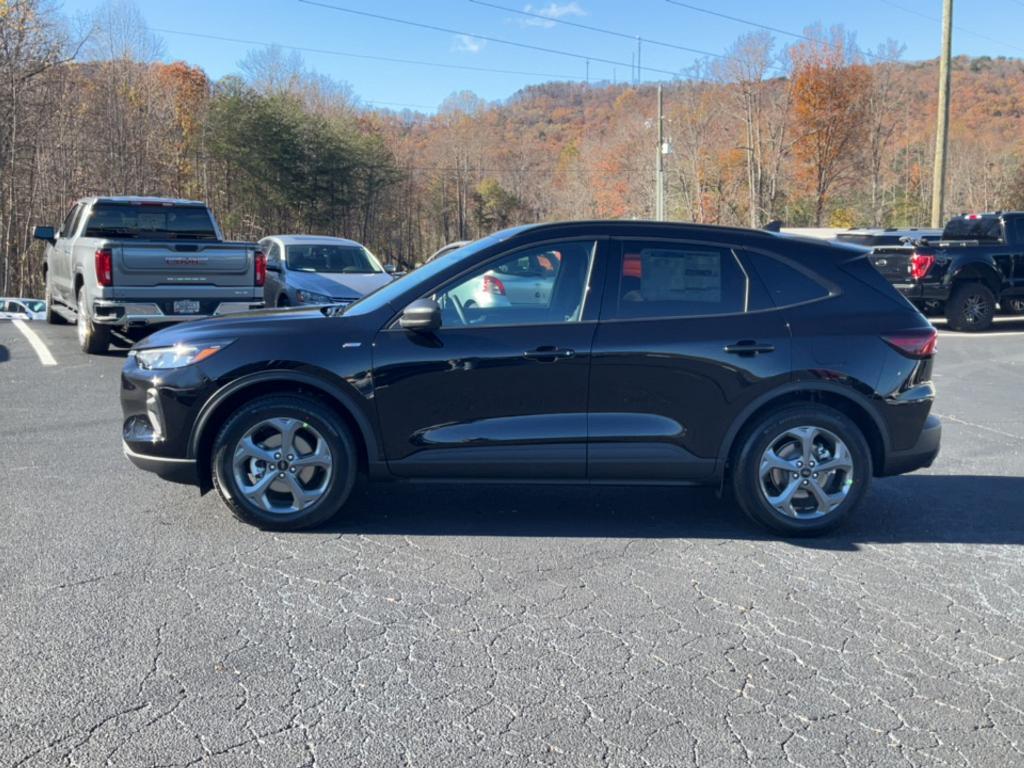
(817, 133)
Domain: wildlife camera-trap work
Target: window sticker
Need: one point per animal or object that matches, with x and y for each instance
(681, 276)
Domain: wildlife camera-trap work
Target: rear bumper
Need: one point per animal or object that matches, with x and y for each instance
(923, 291)
(148, 312)
(921, 455)
(175, 470)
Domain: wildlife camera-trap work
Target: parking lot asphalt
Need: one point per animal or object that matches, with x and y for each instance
(141, 625)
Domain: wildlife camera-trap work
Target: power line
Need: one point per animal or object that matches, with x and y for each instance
(958, 28)
(758, 25)
(346, 54)
(500, 41)
(577, 24)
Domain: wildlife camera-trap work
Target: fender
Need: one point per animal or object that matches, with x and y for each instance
(840, 390)
(977, 270)
(346, 399)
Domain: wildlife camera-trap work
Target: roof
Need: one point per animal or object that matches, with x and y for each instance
(311, 240)
(140, 199)
(626, 225)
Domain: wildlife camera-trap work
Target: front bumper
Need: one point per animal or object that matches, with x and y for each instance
(148, 312)
(175, 470)
(921, 455)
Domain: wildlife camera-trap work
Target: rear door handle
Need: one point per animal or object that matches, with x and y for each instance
(749, 348)
(549, 354)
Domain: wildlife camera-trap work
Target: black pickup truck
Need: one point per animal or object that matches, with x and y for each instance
(976, 266)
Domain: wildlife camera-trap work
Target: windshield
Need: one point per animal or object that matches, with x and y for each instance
(408, 282)
(35, 305)
(154, 221)
(347, 259)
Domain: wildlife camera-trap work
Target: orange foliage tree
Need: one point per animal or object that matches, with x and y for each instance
(830, 87)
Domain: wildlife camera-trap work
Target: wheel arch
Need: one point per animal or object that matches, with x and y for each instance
(851, 404)
(977, 272)
(227, 399)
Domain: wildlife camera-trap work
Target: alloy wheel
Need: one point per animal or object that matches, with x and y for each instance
(975, 309)
(282, 465)
(806, 472)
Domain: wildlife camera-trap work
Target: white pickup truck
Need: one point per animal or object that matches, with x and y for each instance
(137, 263)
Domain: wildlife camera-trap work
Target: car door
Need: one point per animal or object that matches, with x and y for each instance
(63, 255)
(497, 391)
(275, 276)
(686, 339)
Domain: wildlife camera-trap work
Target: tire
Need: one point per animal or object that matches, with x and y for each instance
(52, 317)
(971, 308)
(1014, 306)
(790, 432)
(92, 339)
(282, 301)
(294, 499)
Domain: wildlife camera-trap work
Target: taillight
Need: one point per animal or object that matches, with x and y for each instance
(920, 263)
(105, 267)
(260, 267)
(913, 344)
(493, 285)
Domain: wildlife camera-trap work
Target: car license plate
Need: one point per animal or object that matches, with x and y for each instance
(186, 307)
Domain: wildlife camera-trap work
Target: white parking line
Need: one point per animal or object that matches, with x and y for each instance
(37, 344)
(995, 334)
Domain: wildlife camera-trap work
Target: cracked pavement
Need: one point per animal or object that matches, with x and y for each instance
(141, 625)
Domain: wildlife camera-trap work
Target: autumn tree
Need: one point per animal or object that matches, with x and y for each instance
(830, 85)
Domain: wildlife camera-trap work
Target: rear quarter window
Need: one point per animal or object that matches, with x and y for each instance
(786, 284)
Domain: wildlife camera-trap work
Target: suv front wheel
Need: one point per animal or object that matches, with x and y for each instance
(802, 469)
(284, 462)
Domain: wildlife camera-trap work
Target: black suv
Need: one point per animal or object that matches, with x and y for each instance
(645, 353)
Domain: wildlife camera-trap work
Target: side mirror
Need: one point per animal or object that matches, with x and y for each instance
(391, 268)
(273, 266)
(423, 316)
(45, 233)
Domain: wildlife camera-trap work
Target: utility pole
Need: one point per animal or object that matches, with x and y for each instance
(942, 127)
(659, 168)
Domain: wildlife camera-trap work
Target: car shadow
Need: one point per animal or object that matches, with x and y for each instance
(955, 509)
(1013, 324)
(5, 355)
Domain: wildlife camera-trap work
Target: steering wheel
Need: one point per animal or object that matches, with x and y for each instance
(458, 309)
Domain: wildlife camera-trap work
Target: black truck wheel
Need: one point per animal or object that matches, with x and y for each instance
(971, 308)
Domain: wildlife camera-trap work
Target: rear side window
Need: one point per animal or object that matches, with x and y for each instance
(985, 229)
(150, 220)
(786, 284)
(680, 280)
(1018, 231)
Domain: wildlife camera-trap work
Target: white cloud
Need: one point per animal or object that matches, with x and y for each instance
(469, 44)
(550, 11)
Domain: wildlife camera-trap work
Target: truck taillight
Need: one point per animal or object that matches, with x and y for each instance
(493, 285)
(920, 263)
(105, 267)
(260, 267)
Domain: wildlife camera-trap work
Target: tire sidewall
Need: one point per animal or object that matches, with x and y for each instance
(746, 472)
(339, 440)
(955, 315)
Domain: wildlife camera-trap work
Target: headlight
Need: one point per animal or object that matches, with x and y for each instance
(306, 297)
(178, 356)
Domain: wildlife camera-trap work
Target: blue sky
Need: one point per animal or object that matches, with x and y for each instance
(983, 27)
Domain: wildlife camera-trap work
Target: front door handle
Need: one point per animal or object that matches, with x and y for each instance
(549, 354)
(749, 348)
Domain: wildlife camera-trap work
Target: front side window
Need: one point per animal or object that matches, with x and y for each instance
(65, 227)
(348, 259)
(679, 280)
(539, 285)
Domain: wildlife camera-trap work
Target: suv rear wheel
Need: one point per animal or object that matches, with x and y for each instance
(284, 462)
(93, 339)
(800, 470)
(971, 307)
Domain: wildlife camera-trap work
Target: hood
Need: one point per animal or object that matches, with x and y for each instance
(338, 285)
(292, 320)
